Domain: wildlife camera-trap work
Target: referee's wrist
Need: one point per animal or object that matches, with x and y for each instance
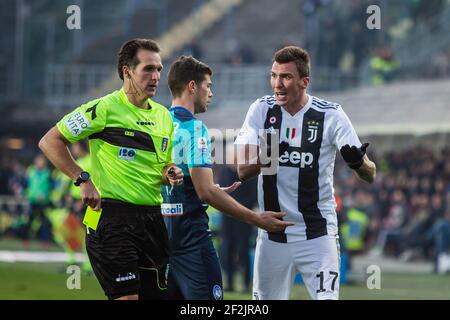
(165, 179)
(167, 168)
(165, 174)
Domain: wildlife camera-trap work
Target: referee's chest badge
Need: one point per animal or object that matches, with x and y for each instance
(164, 143)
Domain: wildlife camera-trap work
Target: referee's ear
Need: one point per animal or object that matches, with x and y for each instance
(126, 72)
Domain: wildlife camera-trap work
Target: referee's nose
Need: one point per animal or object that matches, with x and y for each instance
(156, 76)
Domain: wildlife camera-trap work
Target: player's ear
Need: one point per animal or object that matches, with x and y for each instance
(191, 86)
(305, 82)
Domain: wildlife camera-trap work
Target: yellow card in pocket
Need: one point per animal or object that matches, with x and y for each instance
(91, 218)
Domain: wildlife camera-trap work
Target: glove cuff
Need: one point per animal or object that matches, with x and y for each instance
(356, 165)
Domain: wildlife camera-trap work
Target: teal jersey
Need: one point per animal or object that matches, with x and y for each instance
(192, 144)
(184, 212)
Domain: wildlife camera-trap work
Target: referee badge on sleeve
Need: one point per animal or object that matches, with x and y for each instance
(77, 123)
(164, 143)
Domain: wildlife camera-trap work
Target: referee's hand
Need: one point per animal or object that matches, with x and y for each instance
(271, 221)
(90, 195)
(175, 176)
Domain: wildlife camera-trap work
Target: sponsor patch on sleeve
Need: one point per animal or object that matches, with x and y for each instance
(202, 144)
(77, 123)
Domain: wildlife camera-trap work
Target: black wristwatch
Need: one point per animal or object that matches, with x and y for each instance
(83, 177)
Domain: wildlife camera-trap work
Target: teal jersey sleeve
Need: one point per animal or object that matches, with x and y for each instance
(199, 146)
(192, 144)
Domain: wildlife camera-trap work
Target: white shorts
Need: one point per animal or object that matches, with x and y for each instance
(277, 263)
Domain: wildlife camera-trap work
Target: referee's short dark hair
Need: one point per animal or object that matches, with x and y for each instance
(127, 55)
(183, 70)
(294, 54)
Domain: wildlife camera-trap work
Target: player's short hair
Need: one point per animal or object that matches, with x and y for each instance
(184, 70)
(294, 54)
(127, 55)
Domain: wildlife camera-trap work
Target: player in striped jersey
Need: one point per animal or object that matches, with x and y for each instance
(308, 131)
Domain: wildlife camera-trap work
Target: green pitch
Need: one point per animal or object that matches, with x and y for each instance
(48, 281)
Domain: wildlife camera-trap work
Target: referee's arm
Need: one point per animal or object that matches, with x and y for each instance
(54, 146)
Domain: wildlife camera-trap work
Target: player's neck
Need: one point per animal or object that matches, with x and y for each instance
(297, 105)
(185, 103)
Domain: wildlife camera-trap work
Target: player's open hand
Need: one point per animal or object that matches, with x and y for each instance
(231, 188)
(175, 176)
(90, 195)
(271, 221)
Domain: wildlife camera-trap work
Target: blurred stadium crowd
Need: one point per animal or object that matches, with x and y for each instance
(404, 214)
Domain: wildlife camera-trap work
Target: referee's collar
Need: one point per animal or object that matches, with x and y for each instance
(124, 98)
(182, 111)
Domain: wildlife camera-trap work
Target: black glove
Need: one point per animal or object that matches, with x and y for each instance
(266, 150)
(353, 155)
(282, 147)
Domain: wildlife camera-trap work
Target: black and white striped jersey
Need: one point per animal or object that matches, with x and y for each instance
(303, 183)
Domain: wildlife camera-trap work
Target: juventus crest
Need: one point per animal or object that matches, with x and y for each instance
(313, 126)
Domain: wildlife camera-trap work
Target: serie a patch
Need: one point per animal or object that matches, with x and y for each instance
(202, 144)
